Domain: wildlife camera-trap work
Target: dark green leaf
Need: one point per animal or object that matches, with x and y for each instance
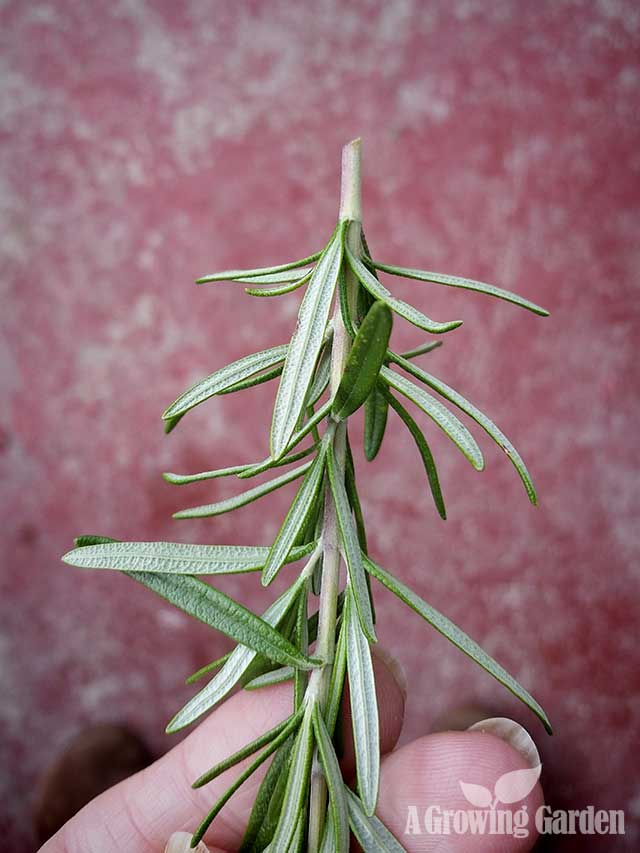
(365, 359)
(279, 290)
(253, 381)
(423, 349)
(225, 378)
(375, 422)
(335, 785)
(457, 637)
(479, 417)
(401, 308)
(466, 283)
(305, 346)
(448, 422)
(268, 679)
(266, 807)
(269, 463)
(207, 668)
(243, 498)
(425, 453)
(297, 785)
(234, 275)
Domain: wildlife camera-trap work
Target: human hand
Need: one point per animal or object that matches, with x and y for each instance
(154, 809)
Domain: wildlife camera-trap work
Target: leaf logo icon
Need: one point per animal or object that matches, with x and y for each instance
(515, 785)
(477, 795)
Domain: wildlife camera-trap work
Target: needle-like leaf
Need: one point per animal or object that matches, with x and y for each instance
(448, 422)
(423, 349)
(269, 463)
(336, 685)
(286, 277)
(266, 807)
(236, 667)
(297, 785)
(371, 833)
(234, 275)
(267, 679)
(244, 498)
(425, 452)
(466, 283)
(401, 308)
(335, 785)
(351, 545)
(279, 290)
(207, 668)
(175, 557)
(224, 379)
(305, 345)
(364, 709)
(253, 381)
(376, 409)
(365, 359)
(479, 417)
(296, 517)
(457, 637)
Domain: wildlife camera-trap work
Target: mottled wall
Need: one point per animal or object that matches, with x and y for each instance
(146, 143)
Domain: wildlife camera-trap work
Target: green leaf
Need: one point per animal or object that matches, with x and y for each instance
(354, 500)
(268, 679)
(335, 785)
(401, 308)
(207, 668)
(235, 668)
(466, 283)
(479, 417)
(297, 785)
(244, 498)
(223, 613)
(225, 378)
(336, 685)
(457, 637)
(364, 710)
(234, 275)
(245, 751)
(287, 277)
(253, 381)
(376, 409)
(269, 463)
(185, 479)
(448, 422)
(266, 807)
(305, 346)
(425, 453)
(171, 423)
(280, 290)
(175, 557)
(242, 778)
(301, 641)
(423, 349)
(352, 552)
(371, 833)
(345, 310)
(365, 359)
(296, 517)
(321, 377)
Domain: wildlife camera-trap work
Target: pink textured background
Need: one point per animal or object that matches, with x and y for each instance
(145, 143)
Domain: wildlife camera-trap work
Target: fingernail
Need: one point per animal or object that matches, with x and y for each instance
(512, 733)
(180, 842)
(395, 667)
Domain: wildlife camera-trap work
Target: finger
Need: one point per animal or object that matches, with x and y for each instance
(140, 814)
(420, 782)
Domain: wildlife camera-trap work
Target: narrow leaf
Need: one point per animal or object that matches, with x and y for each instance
(268, 679)
(259, 831)
(448, 422)
(232, 275)
(423, 349)
(457, 637)
(401, 308)
(235, 668)
(365, 359)
(245, 752)
(269, 463)
(466, 283)
(207, 668)
(352, 552)
(425, 453)
(335, 785)
(296, 516)
(305, 346)
(336, 685)
(225, 378)
(371, 833)
(297, 785)
(364, 710)
(175, 557)
(253, 381)
(185, 479)
(479, 417)
(321, 377)
(279, 290)
(244, 498)
(301, 641)
(287, 277)
(376, 409)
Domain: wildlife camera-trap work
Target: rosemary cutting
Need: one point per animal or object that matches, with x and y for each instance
(338, 360)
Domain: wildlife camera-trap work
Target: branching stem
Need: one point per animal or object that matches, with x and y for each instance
(351, 210)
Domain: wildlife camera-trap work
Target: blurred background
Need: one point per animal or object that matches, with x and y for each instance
(147, 143)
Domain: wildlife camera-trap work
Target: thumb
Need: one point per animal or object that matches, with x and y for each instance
(422, 802)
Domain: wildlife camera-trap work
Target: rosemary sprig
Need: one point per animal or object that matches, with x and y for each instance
(341, 342)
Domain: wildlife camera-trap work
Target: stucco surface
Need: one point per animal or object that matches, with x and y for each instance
(147, 143)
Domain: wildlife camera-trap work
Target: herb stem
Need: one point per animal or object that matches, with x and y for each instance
(351, 211)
